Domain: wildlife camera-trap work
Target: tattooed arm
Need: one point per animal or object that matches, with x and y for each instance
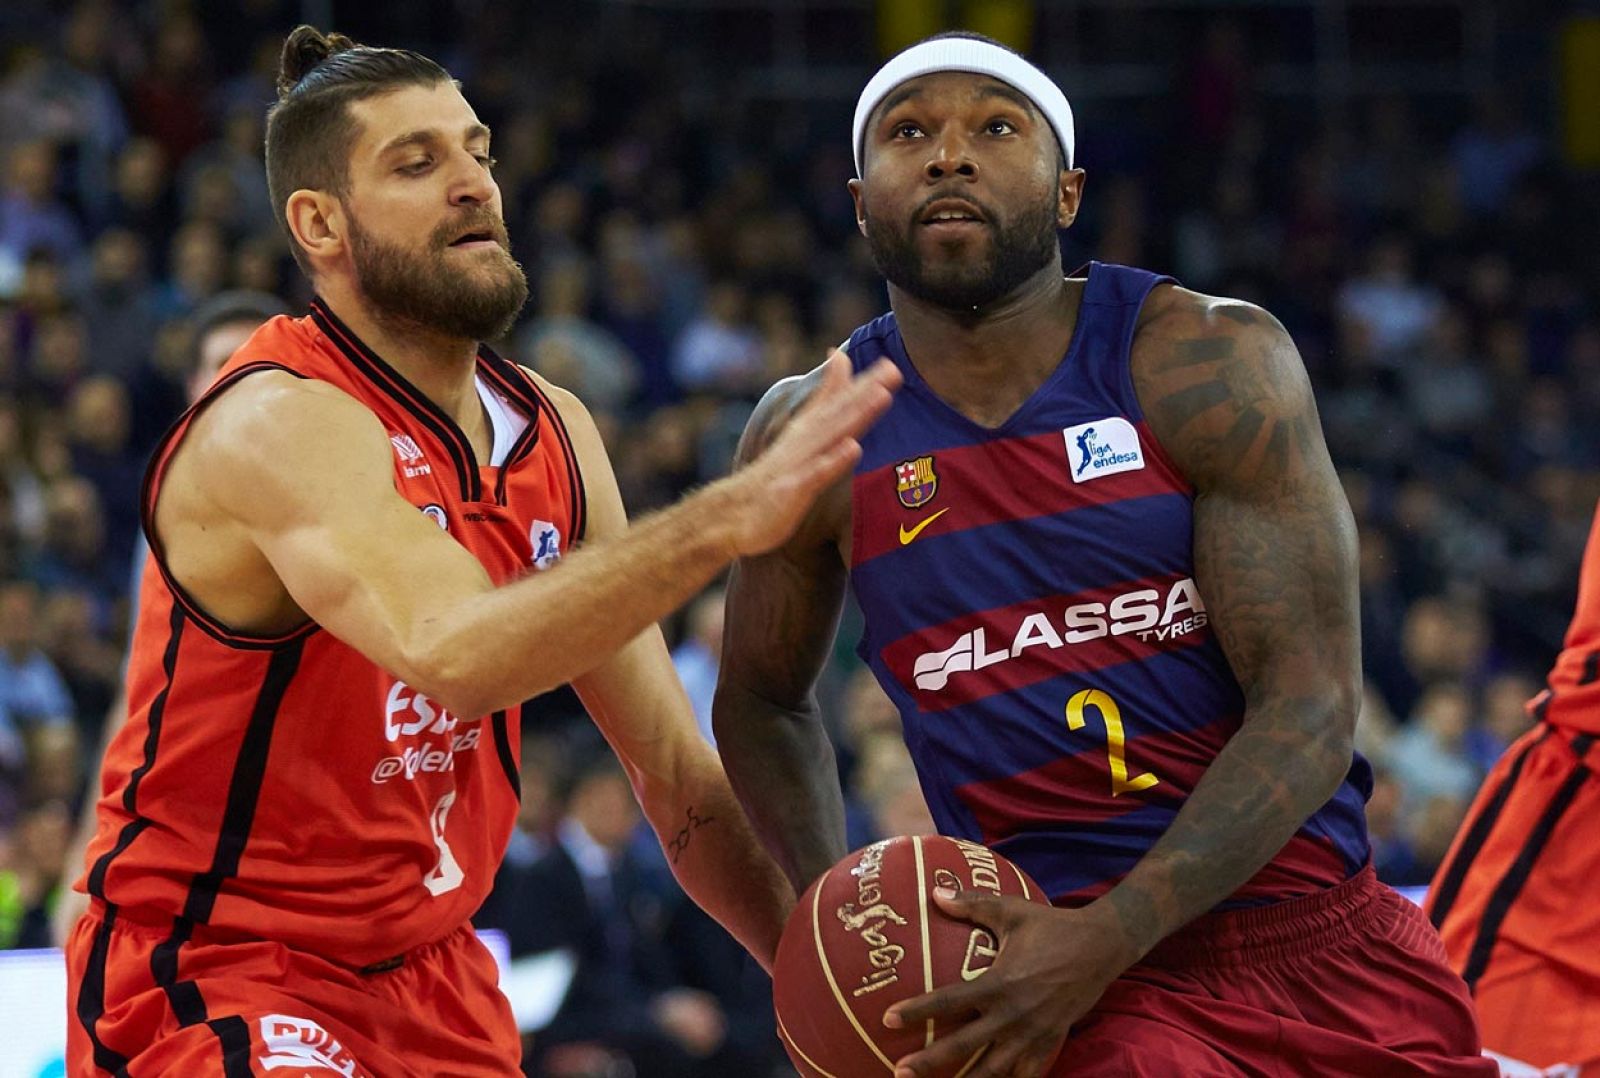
(1275, 549)
(782, 615)
(1224, 391)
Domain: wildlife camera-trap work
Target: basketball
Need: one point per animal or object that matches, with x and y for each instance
(867, 935)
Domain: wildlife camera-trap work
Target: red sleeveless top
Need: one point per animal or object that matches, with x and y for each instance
(288, 787)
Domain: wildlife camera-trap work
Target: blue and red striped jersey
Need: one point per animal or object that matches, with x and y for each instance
(1030, 606)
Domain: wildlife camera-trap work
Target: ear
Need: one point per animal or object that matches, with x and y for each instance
(317, 221)
(1069, 196)
(861, 210)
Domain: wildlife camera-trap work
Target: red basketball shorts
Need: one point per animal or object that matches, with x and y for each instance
(1515, 901)
(148, 999)
(1351, 981)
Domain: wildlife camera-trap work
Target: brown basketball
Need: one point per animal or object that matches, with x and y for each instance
(868, 934)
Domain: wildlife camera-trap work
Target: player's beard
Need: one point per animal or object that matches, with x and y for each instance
(1018, 249)
(432, 291)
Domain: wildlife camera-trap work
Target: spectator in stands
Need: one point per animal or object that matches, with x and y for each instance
(33, 695)
(32, 217)
(118, 307)
(699, 655)
(719, 350)
(1429, 757)
(565, 346)
(30, 875)
(638, 945)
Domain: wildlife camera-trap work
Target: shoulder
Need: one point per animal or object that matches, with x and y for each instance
(773, 411)
(1219, 381)
(572, 412)
(1173, 314)
(273, 424)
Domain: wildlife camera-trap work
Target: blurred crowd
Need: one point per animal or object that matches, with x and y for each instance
(688, 245)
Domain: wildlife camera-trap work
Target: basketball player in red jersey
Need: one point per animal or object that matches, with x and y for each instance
(1112, 497)
(362, 561)
(217, 329)
(1510, 899)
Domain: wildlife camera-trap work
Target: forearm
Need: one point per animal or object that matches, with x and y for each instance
(781, 764)
(511, 643)
(1283, 764)
(717, 858)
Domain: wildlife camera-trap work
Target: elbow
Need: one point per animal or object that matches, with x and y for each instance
(1335, 745)
(448, 677)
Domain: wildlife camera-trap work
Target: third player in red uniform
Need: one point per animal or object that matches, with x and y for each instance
(363, 560)
(1511, 899)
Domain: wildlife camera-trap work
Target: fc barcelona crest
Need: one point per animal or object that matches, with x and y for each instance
(916, 482)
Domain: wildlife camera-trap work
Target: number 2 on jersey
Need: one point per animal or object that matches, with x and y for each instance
(1112, 716)
(447, 874)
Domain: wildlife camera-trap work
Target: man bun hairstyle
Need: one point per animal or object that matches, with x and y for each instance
(304, 49)
(309, 129)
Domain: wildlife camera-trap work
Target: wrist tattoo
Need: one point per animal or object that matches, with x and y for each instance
(680, 841)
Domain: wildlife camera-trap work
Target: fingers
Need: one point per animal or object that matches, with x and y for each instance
(991, 911)
(981, 1049)
(953, 1002)
(953, 1053)
(846, 405)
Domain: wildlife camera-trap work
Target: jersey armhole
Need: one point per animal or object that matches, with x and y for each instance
(150, 491)
(580, 496)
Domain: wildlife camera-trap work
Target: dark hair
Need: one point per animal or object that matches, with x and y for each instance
(970, 35)
(225, 308)
(309, 129)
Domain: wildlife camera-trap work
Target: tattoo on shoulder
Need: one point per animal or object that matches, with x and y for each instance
(1225, 388)
(685, 835)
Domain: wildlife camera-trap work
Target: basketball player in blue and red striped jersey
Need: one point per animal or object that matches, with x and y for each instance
(1108, 577)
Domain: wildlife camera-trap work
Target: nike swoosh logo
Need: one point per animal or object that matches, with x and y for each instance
(908, 534)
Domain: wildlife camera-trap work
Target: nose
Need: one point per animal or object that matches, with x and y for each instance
(951, 156)
(472, 184)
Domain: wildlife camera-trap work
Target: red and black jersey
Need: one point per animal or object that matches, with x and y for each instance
(1572, 698)
(287, 787)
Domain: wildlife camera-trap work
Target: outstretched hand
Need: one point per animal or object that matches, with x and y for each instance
(816, 447)
(1053, 965)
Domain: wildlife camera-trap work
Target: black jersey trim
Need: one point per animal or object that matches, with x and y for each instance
(384, 377)
(1454, 872)
(182, 996)
(234, 1035)
(244, 789)
(92, 992)
(502, 747)
(509, 377)
(152, 739)
(92, 997)
(1506, 892)
(154, 473)
(580, 497)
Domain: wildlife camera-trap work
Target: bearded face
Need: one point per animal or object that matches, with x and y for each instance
(461, 282)
(966, 272)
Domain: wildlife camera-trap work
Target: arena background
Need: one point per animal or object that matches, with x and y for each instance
(1413, 188)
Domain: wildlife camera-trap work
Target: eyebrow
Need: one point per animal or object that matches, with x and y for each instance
(426, 135)
(1015, 96)
(990, 88)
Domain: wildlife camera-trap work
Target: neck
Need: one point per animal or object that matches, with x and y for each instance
(986, 361)
(441, 366)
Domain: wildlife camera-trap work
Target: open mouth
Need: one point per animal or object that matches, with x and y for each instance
(480, 238)
(950, 213)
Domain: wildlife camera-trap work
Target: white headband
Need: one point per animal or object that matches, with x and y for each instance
(978, 57)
